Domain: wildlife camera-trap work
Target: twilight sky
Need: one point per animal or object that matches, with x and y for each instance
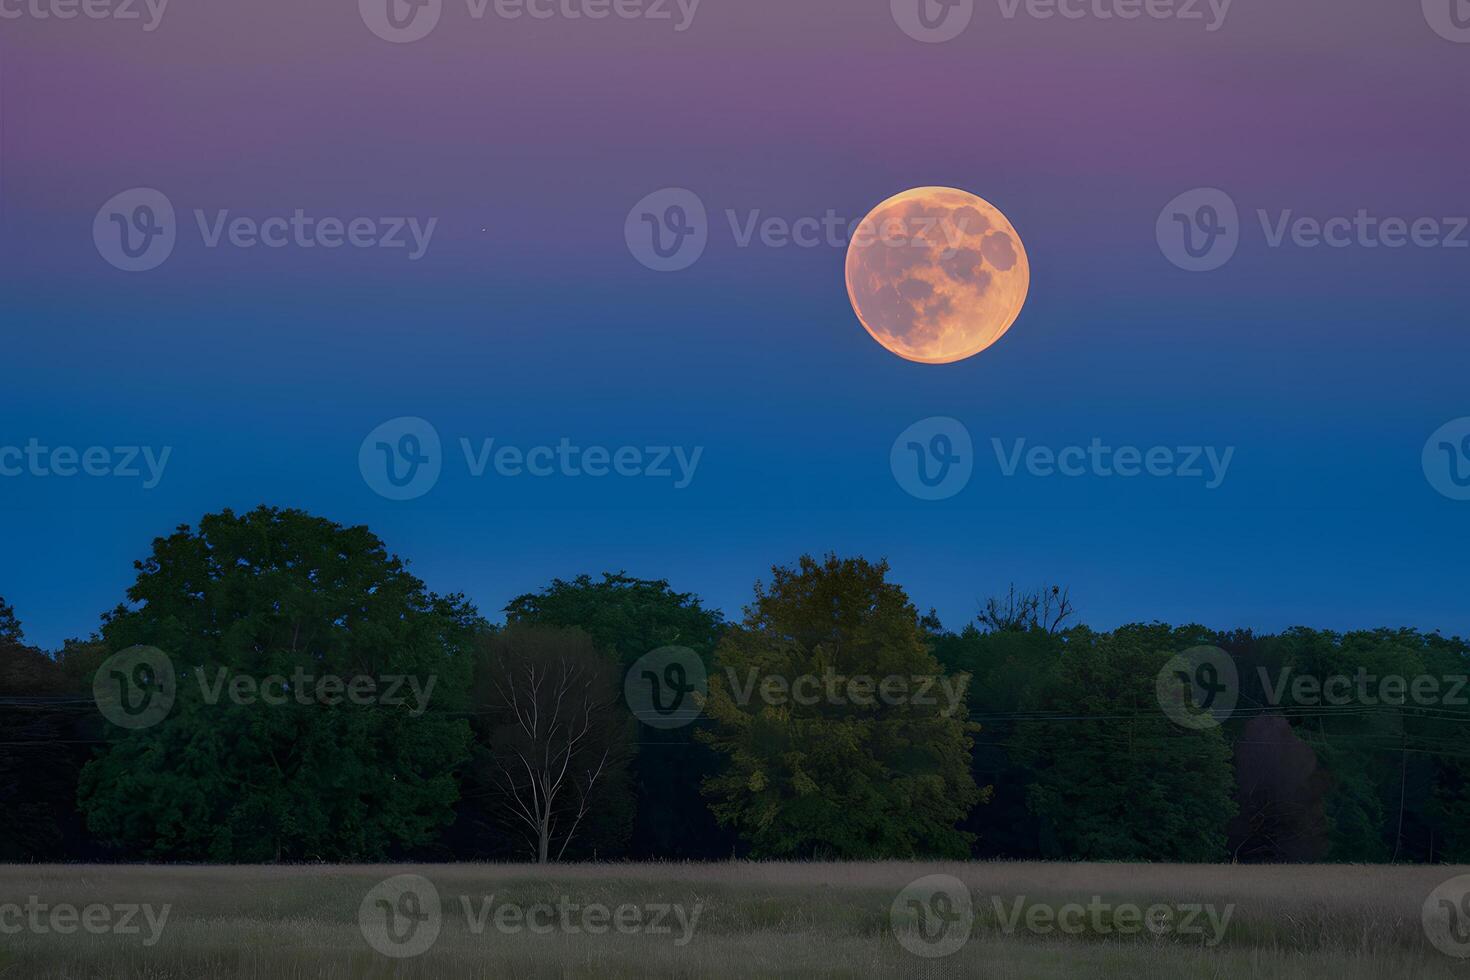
(527, 319)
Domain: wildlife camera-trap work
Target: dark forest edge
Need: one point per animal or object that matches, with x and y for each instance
(1044, 739)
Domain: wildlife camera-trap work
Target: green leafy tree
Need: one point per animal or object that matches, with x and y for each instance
(1446, 734)
(624, 616)
(1395, 758)
(1006, 666)
(1114, 778)
(288, 600)
(628, 617)
(850, 776)
(10, 630)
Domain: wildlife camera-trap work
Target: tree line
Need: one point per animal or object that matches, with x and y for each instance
(837, 722)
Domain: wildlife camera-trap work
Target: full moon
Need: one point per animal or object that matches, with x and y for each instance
(937, 275)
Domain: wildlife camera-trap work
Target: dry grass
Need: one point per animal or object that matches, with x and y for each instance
(757, 920)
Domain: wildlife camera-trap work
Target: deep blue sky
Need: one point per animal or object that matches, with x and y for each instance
(529, 320)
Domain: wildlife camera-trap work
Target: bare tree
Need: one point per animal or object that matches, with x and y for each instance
(552, 730)
(1045, 609)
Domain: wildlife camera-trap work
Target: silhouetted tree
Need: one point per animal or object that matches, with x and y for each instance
(1046, 609)
(553, 737)
(628, 617)
(10, 631)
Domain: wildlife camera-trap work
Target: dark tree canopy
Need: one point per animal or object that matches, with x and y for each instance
(1114, 778)
(848, 776)
(10, 630)
(628, 617)
(1061, 725)
(269, 594)
(625, 616)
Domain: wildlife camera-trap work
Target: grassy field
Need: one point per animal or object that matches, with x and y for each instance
(725, 920)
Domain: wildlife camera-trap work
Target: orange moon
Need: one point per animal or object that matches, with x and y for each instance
(936, 274)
